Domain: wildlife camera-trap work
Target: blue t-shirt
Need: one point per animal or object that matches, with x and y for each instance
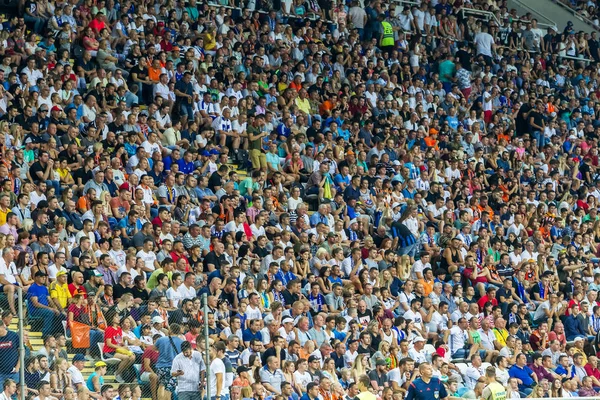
(247, 335)
(166, 352)
(419, 390)
(42, 294)
(524, 374)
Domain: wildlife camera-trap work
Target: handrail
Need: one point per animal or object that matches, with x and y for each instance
(310, 16)
(577, 14)
(524, 5)
(485, 14)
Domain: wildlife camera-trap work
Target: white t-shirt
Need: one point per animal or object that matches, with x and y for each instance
(9, 271)
(252, 313)
(76, 376)
(148, 259)
(302, 379)
(175, 296)
(458, 338)
(484, 43)
(186, 293)
(217, 367)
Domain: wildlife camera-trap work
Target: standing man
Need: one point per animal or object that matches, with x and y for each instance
(426, 387)
(493, 390)
(216, 380)
(187, 367)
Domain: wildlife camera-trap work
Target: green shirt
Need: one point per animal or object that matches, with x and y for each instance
(447, 69)
(247, 184)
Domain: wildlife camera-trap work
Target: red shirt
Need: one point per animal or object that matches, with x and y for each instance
(152, 354)
(73, 290)
(485, 299)
(97, 25)
(116, 334)
(591, 371)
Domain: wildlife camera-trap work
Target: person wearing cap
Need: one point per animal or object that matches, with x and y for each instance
(75, 370)
(96, 380)
(59, 292)
(40, 306)
(187, 368)
(243, 379)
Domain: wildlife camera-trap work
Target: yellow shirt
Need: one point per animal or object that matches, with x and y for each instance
(3, 216)
(303, 105)
(61, 293)
(501, 336)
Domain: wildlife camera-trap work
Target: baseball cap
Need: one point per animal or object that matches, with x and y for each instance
(313, 358)
(61, 272)
(419, 339)
(97, 273)
(78, 357)
(100, 364)
(287, 319)
(380, 361)
(157, 320)
(243, 368)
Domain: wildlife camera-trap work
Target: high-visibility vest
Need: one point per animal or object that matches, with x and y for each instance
(497, 391)
(388, 34)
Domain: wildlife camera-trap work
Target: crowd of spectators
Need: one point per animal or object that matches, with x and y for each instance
(375, 199)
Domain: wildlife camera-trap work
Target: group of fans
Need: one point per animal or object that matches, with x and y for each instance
(378, 201)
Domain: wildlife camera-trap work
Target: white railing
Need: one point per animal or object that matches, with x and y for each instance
(549, 22)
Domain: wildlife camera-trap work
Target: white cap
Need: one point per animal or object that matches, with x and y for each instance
(158, 320)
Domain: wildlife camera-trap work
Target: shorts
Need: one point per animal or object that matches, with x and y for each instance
(145, 376)
(165, 379)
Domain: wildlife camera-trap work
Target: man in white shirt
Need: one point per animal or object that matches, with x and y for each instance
(75, 371)
(416, 272)
(456, 338)
(417, 353)
(474, 372)
(485, 43)
(414, 314)
(186, 368)
(8, 281)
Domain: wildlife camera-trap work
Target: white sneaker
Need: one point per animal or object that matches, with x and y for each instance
(119, 379)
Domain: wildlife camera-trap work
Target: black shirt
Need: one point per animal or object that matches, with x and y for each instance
(35, 168)
(211, 258)
(119, 291)
(215, 180)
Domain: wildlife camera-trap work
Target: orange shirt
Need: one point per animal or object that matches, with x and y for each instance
(295, 86)
(83, 203)
(427, 286)
(154, 74)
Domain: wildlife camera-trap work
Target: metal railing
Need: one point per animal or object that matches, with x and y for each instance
(549, 22)
(577, 14)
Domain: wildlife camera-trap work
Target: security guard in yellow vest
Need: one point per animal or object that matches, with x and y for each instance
(386, 43)
(493, 390)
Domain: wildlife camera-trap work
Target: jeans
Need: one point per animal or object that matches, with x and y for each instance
(185, 109)
(541, 138)
(51, 320)
(188, 395)
(460, 353)
(55, 185)
(38, 23)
